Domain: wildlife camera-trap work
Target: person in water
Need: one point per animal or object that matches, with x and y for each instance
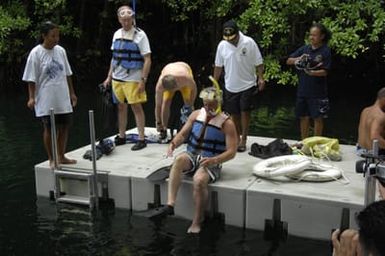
(176, 76)
(372, 125)
(212, 140)
(129, 69)
(48, 74)
(313, 62)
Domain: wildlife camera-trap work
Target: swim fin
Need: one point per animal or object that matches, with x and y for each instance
(160, 174)
(158, 212)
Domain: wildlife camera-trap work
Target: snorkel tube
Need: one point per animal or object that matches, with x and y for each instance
(210, 94)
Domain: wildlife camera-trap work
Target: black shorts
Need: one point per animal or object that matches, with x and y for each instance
(60, 120)
(313, 107)
(243, 101)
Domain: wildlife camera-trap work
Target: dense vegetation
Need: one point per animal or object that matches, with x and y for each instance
(191, 29)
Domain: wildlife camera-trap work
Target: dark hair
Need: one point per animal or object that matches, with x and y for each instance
(371, 222)
(324, 31)
(45, 28)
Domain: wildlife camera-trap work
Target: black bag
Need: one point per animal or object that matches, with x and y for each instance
(275, 148)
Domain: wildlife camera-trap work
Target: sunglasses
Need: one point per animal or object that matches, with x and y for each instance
(229, 31)
(126, 13)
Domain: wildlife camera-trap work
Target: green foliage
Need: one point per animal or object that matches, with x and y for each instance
(12, 20)
(279, 25)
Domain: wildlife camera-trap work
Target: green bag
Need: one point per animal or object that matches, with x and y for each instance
(322, 147)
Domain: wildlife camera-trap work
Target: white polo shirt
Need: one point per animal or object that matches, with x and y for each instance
(239, 63)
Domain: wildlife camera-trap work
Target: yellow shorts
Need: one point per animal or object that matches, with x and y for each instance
(128, 92)
(185, 91)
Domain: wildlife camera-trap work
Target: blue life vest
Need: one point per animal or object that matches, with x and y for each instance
(126, 53)
(207, 138)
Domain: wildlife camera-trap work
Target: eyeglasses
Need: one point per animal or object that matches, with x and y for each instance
(126, 13)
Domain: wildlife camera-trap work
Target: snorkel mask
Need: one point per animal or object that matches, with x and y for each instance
(213, 93)
(126, 12)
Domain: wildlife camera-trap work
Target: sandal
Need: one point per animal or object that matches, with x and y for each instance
(139, 145)
(119, 141)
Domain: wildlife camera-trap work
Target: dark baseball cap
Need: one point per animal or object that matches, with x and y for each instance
(230, 30)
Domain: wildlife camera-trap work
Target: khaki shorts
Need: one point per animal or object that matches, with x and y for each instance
(128, 92)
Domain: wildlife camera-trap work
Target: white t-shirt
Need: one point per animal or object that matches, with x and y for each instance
(239, 63)
(48, 69)
(140, 38)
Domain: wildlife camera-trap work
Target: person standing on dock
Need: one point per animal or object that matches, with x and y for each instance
(48, 74)
(372, 125)
(176, 76)
(212, 140)
(128, 73)
(313, 63)
(240, 58)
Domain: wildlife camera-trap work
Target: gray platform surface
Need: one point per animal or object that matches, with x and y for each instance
(240, 194)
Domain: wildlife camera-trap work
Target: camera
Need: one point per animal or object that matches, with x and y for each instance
(372, 165)
(303, 63)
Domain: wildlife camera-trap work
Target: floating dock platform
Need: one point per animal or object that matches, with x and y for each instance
(310, 209)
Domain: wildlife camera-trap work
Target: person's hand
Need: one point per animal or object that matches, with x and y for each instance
(31, 103)
(308, 72)
(142, 87)
(261, 83)
(170, 149)
(107, 82)
(348, 244)
(74, 99)
(207, 161)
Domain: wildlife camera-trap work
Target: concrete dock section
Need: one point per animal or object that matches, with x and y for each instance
(310, 209)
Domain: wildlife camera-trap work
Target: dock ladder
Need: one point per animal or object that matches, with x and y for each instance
(92, 178)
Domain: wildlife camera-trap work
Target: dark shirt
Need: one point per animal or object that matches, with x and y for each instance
(313, 86)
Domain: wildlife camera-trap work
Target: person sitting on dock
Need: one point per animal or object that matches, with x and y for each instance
(212, 140)
(372, 125)
(176, 76)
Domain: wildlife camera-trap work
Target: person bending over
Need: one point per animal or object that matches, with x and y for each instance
(176, 76)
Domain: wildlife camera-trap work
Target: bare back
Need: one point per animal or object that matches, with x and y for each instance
(371, 126)
(182, 73)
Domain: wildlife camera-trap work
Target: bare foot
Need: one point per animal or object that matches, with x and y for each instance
(51, 164)
(66, 160)
(194, 229)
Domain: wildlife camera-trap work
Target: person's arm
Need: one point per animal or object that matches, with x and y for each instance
(158, 104)
(145, 71)
(217, 72)
(376, 132)
(181, 136)
(320, 72)
(193, 95)
(348, 244)
(31, 95)
(261, 80)
(231, 146)
(73, 97)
